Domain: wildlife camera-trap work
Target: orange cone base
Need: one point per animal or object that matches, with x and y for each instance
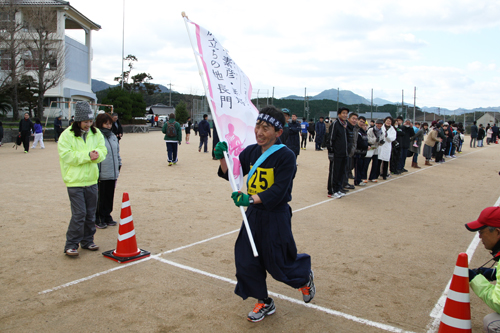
(121, 260)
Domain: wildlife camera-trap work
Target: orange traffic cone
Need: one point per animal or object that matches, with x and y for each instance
(126, 246)
(456, 314)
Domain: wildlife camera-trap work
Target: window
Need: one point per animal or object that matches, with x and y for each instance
(31, 60)
(5, 60)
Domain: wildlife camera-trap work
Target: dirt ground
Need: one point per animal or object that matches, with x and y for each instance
(383, 253)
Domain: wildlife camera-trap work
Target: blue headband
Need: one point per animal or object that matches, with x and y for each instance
(270, 120)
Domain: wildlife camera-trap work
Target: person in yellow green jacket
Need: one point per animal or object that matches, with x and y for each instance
(81, 146)
(488, 226)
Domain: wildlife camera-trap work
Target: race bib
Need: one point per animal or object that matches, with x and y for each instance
(261, 180)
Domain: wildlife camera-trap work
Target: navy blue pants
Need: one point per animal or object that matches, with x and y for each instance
(172, 151)
(272, 233)
(361, 169)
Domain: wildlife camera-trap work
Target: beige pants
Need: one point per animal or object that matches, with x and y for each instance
(491, 323)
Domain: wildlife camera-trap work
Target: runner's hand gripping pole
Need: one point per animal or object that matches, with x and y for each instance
(235, 188)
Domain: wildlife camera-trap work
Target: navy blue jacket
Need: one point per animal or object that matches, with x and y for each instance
(273, 180)
(293, 140)
(204, 128)
(320, 131)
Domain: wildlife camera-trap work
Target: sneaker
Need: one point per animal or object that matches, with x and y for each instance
(448, 156)
(101, 226)
(91, 247)
(415, 145)
(25, 152)
(365, 181)
(199, 149)
(349, 186)
(170, 163)
(374, 180)
(71, 252)
(111, 223)
(344, 191)
(362, 184)
(330, 195)
(261, 310)
(309, 290)
(338, 195)
(453, 156)
(175, 163)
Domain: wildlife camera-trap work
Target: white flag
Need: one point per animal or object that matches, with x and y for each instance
(230, 97)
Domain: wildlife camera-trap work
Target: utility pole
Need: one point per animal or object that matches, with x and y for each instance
(402, 100)
(338, 94)
(305, 97)
(258, 98)
(414, 102)
(123, 43)
(371, 107)
(272, 98)
(170, 92)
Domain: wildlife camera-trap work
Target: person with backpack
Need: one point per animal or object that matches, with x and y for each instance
(173, 138)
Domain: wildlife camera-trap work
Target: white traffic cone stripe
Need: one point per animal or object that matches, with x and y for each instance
(459, 297)
(126, 236)
(456, 323)
(125, 204)
(126, 220)
(461, 271)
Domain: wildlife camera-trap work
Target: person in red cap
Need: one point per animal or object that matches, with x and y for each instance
(488, 226)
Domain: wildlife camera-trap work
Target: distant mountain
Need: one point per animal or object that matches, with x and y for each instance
(345, 96)
(381, 101)
(101, 85)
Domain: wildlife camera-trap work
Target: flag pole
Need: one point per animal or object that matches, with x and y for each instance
(226, 156)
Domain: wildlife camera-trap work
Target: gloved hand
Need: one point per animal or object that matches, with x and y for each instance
(240, 199)
(219, 150)
(472, 274)
(489, 273)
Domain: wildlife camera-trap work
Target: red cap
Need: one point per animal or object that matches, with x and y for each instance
(489, 217)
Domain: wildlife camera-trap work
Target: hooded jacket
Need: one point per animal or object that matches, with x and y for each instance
(77, 169)
(109, 168)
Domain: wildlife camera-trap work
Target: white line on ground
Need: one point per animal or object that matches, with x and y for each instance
(93, 276)
(289, 299)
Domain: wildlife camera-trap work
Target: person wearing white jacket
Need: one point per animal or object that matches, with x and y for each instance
(385, 146)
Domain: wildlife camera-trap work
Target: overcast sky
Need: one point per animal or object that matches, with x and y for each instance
(448, 49)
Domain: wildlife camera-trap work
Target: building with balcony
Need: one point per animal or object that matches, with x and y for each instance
(74, 60)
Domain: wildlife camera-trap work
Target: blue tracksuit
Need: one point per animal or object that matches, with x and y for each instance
(271, 227)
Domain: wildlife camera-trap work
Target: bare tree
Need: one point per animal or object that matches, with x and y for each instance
(45, 49)
(11, 51)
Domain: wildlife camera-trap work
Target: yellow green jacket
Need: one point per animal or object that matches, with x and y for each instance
(489, 293)
(76, 167)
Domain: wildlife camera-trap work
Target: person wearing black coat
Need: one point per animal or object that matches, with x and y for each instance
(26, 128)
(57, 128)
(337, 154)
(293, 140)
(320, 130)
(408, 132)
(117, 127)
(481, 133)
